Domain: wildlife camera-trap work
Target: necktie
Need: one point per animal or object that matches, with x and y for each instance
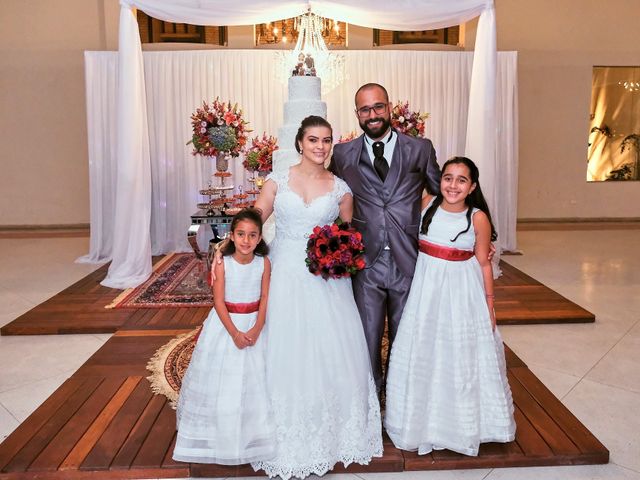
(379, 162)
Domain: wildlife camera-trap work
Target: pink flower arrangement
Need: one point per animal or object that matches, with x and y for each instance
(335, 251)
(218, 127)
(260, 155)
(408, 122)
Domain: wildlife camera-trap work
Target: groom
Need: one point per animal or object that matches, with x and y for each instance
(387, 172)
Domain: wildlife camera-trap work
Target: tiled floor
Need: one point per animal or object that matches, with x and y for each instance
(593, 368)
(32, 270)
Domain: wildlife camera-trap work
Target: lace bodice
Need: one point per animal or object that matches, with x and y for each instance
(295, 219)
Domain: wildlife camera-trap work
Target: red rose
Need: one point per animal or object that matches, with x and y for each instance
(334, 251)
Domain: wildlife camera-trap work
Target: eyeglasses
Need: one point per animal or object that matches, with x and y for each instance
(378, 108)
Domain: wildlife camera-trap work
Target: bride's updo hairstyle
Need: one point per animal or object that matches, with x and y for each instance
(310, 121)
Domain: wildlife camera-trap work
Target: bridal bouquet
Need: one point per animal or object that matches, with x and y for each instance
(218, 128)
(335, 251)
(260, 155)
(408, 122)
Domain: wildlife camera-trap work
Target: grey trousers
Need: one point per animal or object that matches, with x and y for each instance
(380, 291)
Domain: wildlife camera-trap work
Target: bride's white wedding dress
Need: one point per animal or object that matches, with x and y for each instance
(319, 378)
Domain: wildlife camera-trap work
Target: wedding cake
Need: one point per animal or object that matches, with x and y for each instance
(304, 100)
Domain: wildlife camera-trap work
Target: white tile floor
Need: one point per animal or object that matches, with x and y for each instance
(593, 368)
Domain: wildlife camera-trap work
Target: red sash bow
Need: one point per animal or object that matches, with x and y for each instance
(445, 253)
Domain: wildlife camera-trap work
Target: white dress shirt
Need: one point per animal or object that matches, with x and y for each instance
(389, 141)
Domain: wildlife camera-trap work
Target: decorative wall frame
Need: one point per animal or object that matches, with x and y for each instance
(614, 129)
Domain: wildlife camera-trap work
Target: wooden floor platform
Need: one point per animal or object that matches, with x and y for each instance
(521, 299)
(104, 422)
(79, 308)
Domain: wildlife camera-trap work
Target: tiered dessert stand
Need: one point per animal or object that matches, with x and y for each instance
(217, 211)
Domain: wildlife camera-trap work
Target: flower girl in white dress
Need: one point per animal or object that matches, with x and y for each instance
(447, 384)
(223, 413)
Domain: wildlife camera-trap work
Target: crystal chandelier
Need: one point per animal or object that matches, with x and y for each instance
(330, 66)
(630, 86)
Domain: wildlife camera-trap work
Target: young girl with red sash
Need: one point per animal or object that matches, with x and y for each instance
(447, 385)
(223, 413)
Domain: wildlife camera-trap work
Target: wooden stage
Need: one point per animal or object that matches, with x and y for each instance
(520, 300)
(104, 422)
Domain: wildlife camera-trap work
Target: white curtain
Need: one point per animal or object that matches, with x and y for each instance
(101, 73)
(131, 242)
(177, 82)
(505, 208)
(131, 252)
(396, 15)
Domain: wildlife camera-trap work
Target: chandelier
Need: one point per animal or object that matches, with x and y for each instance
(630, 86)
(328, 65)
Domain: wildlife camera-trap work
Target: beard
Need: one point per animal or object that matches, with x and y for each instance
(375, 132)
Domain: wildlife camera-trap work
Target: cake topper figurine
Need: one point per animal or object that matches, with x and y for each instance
(305, 66)
(308, 61)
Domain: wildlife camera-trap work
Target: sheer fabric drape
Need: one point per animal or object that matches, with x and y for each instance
(131, 250)
(101, 72)
(131, 239)
(397, 15)
(177, 82)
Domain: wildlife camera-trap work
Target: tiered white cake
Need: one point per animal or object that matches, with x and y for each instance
(304, 100)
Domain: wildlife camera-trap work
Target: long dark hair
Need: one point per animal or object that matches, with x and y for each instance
(251, 215)
(474, 200)
(310, 121)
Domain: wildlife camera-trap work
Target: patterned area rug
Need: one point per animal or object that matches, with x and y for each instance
(169, 363)
(178, 280)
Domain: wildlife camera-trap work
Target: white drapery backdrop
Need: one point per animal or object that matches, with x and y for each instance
(177, 82)
(131, 252)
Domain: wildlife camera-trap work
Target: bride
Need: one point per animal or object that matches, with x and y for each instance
(318, 370)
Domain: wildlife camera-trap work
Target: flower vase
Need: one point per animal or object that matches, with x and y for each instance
(222, 167)
(222, 163)
(260, 179)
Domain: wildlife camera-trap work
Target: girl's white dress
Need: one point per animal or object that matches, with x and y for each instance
(318, 370)
(223, 413)
(447, 384)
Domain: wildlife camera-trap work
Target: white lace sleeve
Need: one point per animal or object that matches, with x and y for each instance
(341, 188)
(276, 177)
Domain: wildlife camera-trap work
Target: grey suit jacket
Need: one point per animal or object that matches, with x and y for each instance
(389, 213)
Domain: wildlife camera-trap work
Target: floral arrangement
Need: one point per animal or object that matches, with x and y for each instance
(260, 155)
(348, 137)
(218, 127)
(408, 122)
(335, 251)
